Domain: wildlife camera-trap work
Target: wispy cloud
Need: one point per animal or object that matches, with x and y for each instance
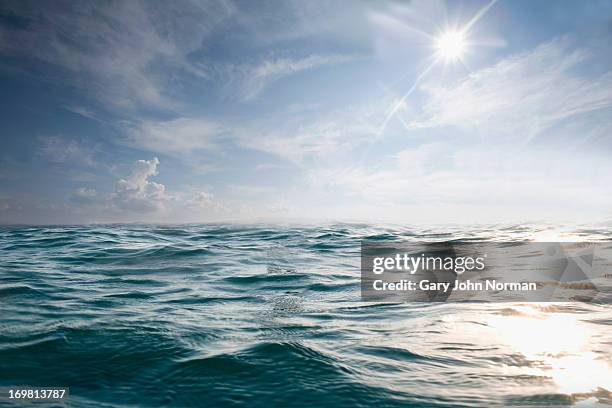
(115, 51)
(297, 138)
(521, 96)
(291, 136)
(71, 152)
(301, 128)
(275, 23)
(177, 136)
(509, 182)
(257, 77)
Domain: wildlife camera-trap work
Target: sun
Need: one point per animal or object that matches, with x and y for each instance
(451, 45)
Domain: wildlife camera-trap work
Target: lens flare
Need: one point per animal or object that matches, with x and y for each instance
(451, 45)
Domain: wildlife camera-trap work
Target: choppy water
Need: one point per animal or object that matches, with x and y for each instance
(214, 315)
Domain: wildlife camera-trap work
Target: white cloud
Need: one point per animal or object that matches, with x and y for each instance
(182, 135)
(520, 97)
(519, 183)
(256, 78)
(137, 193)
(298, 138)
(84, 112)
(113, 50)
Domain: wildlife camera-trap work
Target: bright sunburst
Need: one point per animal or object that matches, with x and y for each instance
(451, 45)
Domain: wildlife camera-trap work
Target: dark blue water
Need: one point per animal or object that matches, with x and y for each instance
(260, 316)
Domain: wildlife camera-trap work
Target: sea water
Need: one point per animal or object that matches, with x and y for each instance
(261, 316)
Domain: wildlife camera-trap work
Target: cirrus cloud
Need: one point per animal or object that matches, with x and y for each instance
(521, 96)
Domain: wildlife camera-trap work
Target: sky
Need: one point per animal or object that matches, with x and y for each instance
(276, 111)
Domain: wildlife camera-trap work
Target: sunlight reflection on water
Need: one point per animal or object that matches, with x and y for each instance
(559, 347)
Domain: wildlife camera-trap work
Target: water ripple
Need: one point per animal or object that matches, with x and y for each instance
(238, 315)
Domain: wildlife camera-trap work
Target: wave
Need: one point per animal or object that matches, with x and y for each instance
(259, 315)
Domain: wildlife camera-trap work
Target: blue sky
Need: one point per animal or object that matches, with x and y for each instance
(199, 111)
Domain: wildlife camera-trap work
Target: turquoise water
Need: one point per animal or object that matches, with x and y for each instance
(216, 315)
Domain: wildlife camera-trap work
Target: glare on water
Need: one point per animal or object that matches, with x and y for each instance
(559, 345)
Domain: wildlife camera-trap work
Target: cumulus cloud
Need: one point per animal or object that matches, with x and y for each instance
(137, 193)
(136, 196)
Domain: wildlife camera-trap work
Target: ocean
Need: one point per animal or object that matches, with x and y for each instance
(271, 316)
